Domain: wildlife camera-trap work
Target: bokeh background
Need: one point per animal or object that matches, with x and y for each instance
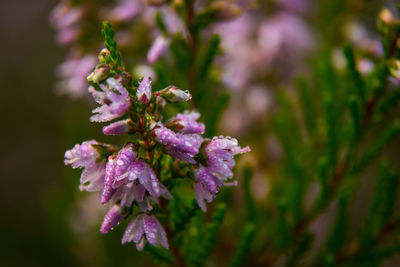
(45, 221)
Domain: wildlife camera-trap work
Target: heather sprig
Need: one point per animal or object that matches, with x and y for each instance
(129, 177)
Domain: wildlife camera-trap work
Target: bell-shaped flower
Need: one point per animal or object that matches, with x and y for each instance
(219, 153)
(114, 100)
(86, 156)
(142, 171)
(212, 174)
(186, 123)
(116, 166)
(181, 146)
(145, 227)
(137, 182)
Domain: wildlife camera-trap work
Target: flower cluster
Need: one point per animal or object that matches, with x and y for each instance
(130, 176)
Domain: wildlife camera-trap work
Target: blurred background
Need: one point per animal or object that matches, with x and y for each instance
(45, 220)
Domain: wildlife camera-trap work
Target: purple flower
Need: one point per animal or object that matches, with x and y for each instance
(143, 92)
(72, 74)
(181, 146)
(124, 159)
(125, 11)
(113, 218)
(65, 19)
(176, 141)
(145, 227)
(133, 183)
(117, 128)
(186, 123)
(219, 152)
(202, 195)
(129, 191)
(116, 166)
(158, 48)
(113, 104)
(212, 175)
(86, 156)
(144, 173)
(108, 191)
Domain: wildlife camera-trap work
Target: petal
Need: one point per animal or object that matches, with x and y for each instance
(134, 231)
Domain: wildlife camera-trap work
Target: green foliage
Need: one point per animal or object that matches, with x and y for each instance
(159, 255)
(335, 126)
(354, 73)
(243, 245)
(111, 44)
(207, 241)
(382, 204)
(372, 152)
(248, 199)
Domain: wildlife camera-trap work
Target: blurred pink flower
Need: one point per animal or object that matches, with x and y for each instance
(72, 74)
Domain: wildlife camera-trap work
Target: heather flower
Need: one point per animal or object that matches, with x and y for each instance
(117, 128)
(181, 146)
(186, 123)
(128, 178)
(158, 48)
(173, 94)
(145, 227)
(207, 186)
(72, 74)
(116, 166)
(132, 179)
(108, 191)
(127, 192)
(219, 152)
(211, 175)
(143, 92)
(113, 218)
(86, 156)
(125, 10)
(114, 100)
(65, 19)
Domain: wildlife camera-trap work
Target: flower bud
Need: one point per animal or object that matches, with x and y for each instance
(103, 55)
(143, 92)
(394, 66)
(113, 218)
(117, 128)
(226, 10)
(174, 94)
(99, 74)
